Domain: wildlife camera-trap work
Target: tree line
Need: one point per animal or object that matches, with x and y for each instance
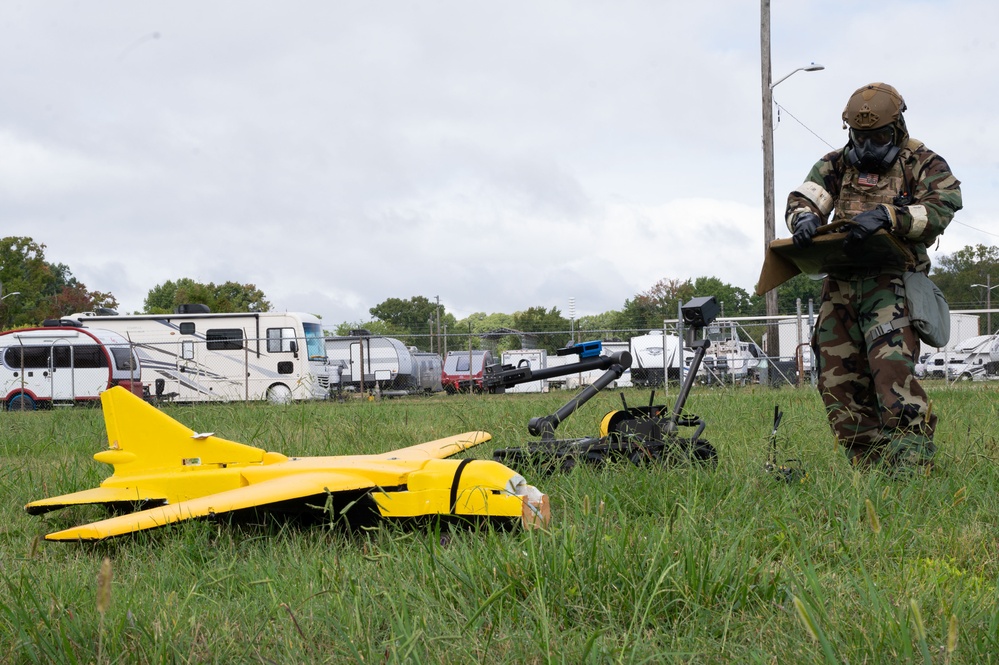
(45, 291)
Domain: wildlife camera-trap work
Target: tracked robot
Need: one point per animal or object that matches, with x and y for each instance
(641, 434)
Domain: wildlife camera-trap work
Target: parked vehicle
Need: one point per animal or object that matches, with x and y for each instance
(61, 363)
(577, 380)
(194, 355)
(728, 359)
(974, 359)
(373, 358)
(429, 366)
(463, 369)
(655, 356)
(535, 359)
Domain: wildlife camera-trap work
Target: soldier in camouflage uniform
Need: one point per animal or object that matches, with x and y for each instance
(881, 179)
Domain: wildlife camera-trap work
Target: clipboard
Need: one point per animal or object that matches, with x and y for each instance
(783, 260)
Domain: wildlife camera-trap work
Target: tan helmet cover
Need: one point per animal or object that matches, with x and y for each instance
(872, 106)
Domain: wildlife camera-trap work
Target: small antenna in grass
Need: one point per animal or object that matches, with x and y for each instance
(785, 472)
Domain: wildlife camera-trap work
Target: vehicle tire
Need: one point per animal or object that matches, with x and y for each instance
(965, 377)
(279, 394)
(21, 402)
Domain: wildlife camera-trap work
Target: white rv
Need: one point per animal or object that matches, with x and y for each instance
(653, 355)
(63, 364)
(197, 356)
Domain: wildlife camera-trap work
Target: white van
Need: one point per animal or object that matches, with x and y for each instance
(973, 359)
(63, 364)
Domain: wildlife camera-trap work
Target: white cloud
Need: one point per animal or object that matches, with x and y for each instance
(500, 156)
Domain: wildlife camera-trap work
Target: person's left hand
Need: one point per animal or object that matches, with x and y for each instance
(866, 224)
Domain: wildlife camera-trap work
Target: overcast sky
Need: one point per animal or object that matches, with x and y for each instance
(499, 155)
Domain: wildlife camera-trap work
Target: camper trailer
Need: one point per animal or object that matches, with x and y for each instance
(463, 369)
(654, 356)
(63, 364)
(194, 355)
(373, 359)
(429, 366)
(535, 359)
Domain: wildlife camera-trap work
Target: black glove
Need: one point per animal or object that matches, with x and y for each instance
(865, 225)
(804, 229)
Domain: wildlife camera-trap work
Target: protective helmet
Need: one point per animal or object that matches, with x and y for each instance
(877, 128)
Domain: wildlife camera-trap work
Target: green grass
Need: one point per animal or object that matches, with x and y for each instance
(641, 565)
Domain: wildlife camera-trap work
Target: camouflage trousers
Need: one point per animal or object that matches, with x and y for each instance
(877, 409)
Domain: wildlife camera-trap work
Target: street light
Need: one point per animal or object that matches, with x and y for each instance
(988, 300)
(809, 68)
(13, 293)
(769, 232)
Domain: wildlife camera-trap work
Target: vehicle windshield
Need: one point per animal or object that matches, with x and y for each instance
(124, 359)
(315, 343)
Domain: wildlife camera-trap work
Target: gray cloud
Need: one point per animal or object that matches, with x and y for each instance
(500, 155)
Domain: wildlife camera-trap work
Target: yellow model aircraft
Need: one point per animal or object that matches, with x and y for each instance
(167, 473)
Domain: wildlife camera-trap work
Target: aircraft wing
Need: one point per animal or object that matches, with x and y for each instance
(263, 494)
(438, 449)
(95, 495)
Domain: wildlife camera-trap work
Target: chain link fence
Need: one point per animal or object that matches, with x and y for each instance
(43, 368)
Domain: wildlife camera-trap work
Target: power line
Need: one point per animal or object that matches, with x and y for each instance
(809, 129)
(988, 233)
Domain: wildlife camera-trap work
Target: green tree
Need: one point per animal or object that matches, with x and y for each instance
(734, 301)
(227, 297)
(374, 327)
(413, 321)
(799, 286)
(549, 326)
(955, 274)
(600, 326)
(649, 309)
(44, 290)
(412, 315)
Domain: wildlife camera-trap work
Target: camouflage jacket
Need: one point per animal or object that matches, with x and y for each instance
(919, 192)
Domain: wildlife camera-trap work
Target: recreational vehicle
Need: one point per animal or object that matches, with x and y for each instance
(535, 359)
(374, 359)
(429, 366)
(464, 368)
(654, 355)
(194, 355)
(63, 364)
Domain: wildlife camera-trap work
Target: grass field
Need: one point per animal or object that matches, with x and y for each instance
(640, 565)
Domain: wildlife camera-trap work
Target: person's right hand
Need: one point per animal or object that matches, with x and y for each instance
(804, 229)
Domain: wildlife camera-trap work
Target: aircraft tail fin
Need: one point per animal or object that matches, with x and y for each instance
(142, 438)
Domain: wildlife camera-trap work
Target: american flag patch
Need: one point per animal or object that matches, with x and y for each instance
(868, 179)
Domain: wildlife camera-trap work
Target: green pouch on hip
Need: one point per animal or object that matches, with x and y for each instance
(929, 314)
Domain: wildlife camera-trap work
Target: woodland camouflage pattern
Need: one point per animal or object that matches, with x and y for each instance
(919, 190)
(877, 409)
(875, 406)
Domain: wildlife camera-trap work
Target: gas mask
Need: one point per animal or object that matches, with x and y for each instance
(872, 150)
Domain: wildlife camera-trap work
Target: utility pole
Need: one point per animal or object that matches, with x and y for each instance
(988, 301)
(769, 232)
(438, 299)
